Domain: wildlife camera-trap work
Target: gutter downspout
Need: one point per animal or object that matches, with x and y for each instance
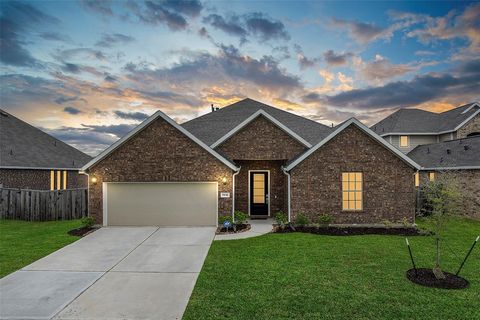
(288, 192)
(233, 193)
(88, 190)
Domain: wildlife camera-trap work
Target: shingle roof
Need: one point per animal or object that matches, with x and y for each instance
(22, 145)
(421, 121)
(214, 125)
(449, 154)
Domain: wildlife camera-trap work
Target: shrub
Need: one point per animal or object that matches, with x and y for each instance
(87, 222)
(240, 217)
(301, 220)
(387, 223)
(281, 219)
(324, 219)
(405, 222)
(222, 219)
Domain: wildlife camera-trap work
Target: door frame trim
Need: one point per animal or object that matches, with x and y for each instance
(269, 197)
(105, 193)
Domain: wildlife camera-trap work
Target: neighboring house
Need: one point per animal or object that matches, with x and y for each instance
(408, 128)
(250, 157)
(457, 160)
(32, 159)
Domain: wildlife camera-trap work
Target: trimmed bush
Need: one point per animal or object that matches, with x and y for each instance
(87, 222)
(222, 219)
(240, 217)
(324, 219)
(302, 220)
(281, 219)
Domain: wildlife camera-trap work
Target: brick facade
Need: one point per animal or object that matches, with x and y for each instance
(159, 153)
(388, 187)
(468, 184)
(38, 179)
(278, 185)
(472, 126)
(261, 140)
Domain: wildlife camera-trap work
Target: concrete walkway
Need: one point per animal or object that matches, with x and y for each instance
(258, 228)
(113, 273)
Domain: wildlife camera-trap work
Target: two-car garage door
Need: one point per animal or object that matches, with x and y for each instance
(161, 204)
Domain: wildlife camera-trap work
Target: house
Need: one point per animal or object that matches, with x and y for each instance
(408, 128)
(251, 157)
(32, 159)
(457, 160)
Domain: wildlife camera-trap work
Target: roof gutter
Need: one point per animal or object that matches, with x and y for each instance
(450, 168)
(39, 168)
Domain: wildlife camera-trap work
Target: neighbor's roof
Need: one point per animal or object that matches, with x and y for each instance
(338, 129)
(454, 154)
(145, 124)
(24, 146)
(416, 121)
(212, 126)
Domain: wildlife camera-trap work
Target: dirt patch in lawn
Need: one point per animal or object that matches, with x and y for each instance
(354, 230)
(239, 228)
(425, 277)
(81, 232)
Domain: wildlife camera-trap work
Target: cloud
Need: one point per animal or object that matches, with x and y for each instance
(103, 7)
(83, 53)
(232, 25)
(110, 78)
(16, 19)
(254, 24)
(461, 83)
(453, 25)
(138, 116)
(70, 68)
(264, 27)
(118, 130)
(381, 69)
(361, 32)
(54, 36)
(63, 99)
(336, 59)
(303, 61)
(110, 40)
(72, 110)
(172, 13)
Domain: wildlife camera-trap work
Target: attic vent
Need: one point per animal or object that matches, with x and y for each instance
(466, 147)
(11, 152)
(214, 108)
(441, 159)
(428, 150)
(449, 151)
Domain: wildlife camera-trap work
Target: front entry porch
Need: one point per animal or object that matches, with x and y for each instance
(260, 188)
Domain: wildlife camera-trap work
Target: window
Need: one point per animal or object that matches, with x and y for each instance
(431, 176)
(417, 179)
(352, 187)
(259, 188)
(404, 143)
(52, 180)
(56, 179)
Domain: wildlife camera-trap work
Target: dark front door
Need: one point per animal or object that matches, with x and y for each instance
(259, 193)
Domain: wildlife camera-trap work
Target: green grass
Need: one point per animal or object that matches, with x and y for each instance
(22, 242)
(304, 276)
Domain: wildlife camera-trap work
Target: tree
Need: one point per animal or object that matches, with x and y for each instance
(442, 200)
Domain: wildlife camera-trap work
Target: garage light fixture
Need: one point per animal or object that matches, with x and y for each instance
(224, 180)
(94, 180)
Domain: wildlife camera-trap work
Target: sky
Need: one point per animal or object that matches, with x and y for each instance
(87, 72)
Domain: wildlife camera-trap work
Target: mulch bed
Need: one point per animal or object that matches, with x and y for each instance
(425, 277)
(240, 228)
(81, 232)
(352, 231)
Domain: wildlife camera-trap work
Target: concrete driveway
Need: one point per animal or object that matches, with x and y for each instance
(113, 273)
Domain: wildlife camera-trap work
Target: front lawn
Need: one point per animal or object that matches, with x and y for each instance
(305, 276)
(22, 242)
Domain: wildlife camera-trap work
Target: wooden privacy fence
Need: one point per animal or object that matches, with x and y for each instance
(43, 205)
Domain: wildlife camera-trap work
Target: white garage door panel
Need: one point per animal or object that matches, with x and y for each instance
(161, 204)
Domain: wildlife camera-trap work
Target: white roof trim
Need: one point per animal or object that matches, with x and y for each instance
(365, 129)
(436, 133)
(253, 117)
(144, 124)
(39, 168)
(475, 104)
(450, 168)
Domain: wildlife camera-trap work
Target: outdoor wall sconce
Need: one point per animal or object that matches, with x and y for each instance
(224, 180)
(94, 180)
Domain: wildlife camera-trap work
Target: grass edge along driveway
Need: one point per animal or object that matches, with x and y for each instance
(304, 276)
(23, 242)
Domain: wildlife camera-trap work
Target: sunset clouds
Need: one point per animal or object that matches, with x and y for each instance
(89, 71)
